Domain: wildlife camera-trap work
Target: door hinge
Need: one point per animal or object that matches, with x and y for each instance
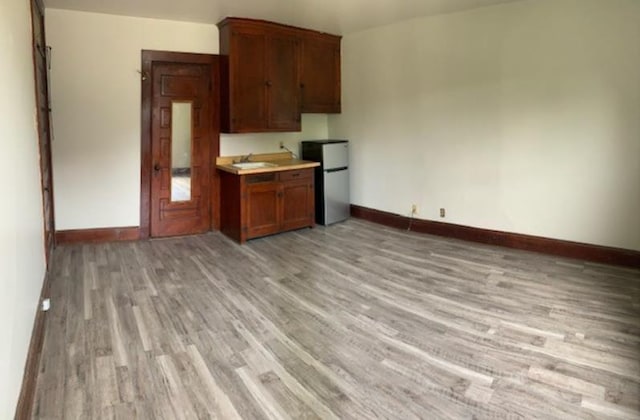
(47, 56)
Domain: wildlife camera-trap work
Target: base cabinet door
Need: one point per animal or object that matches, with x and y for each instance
(297, 204)
(263, 206)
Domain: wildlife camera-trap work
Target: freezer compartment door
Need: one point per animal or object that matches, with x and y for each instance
(335, 155)
(336, 196)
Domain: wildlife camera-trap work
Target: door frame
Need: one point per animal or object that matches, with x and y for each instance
(44, 141)
(149, 58)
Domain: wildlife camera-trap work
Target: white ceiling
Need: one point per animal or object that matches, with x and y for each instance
(334, 16)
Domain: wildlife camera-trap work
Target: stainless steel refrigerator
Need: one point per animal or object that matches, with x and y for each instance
(331, 177)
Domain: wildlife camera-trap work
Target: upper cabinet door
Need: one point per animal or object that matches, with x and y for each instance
(261, 81)
(248, 81)
(320, 73)
(283, 82)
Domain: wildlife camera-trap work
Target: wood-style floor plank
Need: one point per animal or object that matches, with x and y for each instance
(352, 321)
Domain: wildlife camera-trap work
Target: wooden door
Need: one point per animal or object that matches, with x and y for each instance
(40, 62)
(263, 209)
(320, 73)
(283, 82)
(181, 135)
(248, 81)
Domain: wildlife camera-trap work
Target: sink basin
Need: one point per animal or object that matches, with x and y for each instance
(253, 165)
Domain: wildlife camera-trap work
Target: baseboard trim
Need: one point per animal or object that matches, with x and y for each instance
(578, 250)
(129, 233)
(30, 376)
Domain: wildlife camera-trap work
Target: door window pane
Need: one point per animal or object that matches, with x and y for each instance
(181, 137)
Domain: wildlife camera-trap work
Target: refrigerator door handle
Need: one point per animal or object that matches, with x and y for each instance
(336, 169)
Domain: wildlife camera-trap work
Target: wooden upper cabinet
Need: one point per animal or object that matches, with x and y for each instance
(272, 73)
(320, 73)
(261, 80)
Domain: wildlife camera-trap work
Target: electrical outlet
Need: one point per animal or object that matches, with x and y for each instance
(282, 145)
(46, 305)
(414, 209)
(442, 212)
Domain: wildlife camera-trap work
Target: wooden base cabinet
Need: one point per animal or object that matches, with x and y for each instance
(264, 204)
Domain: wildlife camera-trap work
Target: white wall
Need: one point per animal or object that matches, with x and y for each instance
(314, 126)
(96, 112)
(95, 90)
(522, 117)
(22, 265)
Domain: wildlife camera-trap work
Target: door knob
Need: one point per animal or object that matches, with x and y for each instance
(156, 167)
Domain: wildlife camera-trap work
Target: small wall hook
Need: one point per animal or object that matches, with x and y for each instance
(143, 74)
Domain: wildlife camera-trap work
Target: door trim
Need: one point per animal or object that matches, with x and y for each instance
(98, 235)
(37, 7)
(149, 57)
(540, 244)
(26, 399)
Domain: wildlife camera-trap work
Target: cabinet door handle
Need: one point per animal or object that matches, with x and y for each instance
(267, 83)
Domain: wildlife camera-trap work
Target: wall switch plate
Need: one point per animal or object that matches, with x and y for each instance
(442, 212)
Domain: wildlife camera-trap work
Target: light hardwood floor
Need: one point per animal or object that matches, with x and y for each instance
(353, 321)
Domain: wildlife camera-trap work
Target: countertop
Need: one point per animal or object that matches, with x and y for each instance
(283, 162)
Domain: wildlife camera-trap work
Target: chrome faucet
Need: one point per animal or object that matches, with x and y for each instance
(245, 158)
